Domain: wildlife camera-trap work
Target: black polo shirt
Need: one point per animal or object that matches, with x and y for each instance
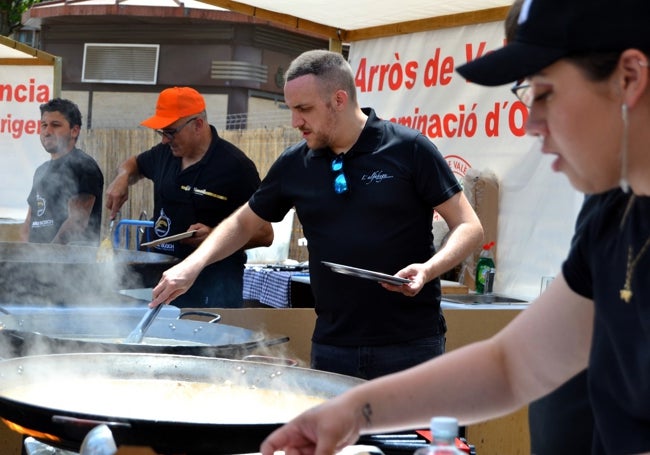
(396, 177)
(206, 192)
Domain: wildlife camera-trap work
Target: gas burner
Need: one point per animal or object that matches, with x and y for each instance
(403, 443)
(35, 447)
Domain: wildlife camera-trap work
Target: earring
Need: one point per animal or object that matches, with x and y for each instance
(623, 183)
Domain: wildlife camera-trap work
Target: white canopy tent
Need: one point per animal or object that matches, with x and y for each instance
(349, 21)
(339, 20)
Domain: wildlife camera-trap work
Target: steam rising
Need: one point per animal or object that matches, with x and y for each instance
(59, 299)
(64, 275)
(104, 330)
(54, 277)
(202, 389)
(84, 327)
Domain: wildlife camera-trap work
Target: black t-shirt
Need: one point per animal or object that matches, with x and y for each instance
(396, 176)
(55, 183)
(561, 423)
(619, 364)
(206, 192)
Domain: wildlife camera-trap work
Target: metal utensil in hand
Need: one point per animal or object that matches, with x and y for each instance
(105, 250)
(137, 334)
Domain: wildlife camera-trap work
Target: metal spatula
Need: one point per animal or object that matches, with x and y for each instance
(137, 334)
(105, 250)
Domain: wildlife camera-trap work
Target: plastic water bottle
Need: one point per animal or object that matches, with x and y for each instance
(483, 267)
(444, 431)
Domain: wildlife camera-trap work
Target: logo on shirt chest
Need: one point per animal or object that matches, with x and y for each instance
(40, 205)
(162, 225)
(376, 177)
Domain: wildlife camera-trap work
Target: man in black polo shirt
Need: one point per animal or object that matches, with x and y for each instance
(199, 179)
(364, 190)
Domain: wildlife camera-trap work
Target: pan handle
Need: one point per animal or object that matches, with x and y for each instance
(67, 420)
(274, 341)
(15, 335)
(271, 359)
(215, 317)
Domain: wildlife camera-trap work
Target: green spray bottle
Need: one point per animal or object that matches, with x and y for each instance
(483, 266)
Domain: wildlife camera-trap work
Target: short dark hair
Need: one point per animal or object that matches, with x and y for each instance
(512, 17)
(329, 67)
(597, 66)
(66, 107)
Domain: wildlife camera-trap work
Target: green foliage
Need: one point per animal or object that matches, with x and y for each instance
(11, 12)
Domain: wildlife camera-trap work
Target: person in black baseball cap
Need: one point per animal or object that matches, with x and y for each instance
(584, 67)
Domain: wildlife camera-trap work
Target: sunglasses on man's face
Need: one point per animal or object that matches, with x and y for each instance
(170, 133)
(340, 181)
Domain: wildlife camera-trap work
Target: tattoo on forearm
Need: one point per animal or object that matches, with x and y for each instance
(367, 413)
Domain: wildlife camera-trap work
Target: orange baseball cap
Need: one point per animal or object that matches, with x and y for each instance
(175, 103)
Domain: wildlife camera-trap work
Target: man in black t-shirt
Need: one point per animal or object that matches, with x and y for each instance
(65, 203)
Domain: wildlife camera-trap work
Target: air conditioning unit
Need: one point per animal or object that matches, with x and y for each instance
(120, 63)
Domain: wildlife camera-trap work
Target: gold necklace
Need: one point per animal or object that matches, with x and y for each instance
(626, 293)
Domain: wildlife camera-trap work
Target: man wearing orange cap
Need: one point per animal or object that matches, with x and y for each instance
(199, 179)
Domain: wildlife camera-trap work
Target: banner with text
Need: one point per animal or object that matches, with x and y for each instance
(22, 90)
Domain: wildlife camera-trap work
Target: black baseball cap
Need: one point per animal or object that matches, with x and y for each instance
(549, 30)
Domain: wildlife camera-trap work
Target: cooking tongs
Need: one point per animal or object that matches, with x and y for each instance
(137, 334)
(105, 250)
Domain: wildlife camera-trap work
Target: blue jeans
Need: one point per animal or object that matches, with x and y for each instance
(368, 362)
